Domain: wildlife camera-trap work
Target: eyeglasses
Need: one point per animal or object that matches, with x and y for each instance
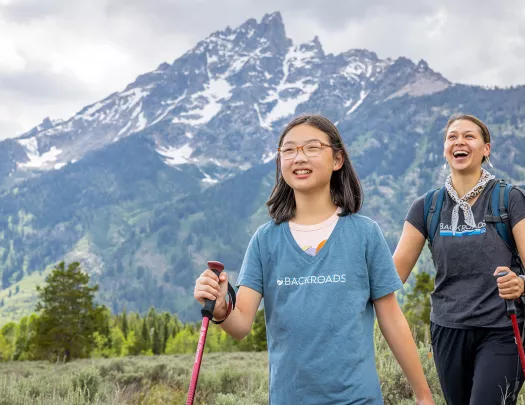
(310, 149)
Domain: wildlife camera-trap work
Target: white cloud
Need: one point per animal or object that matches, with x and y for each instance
(60, 55)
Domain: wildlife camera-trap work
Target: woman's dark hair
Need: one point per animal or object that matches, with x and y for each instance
(483, 129)
(345, 188)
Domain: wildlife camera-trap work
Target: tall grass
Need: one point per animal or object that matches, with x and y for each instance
(225, 379)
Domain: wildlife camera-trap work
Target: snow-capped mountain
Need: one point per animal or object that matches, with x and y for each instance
(146, 185)
(223, 103)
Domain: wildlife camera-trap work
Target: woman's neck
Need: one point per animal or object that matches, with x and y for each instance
(311, 209)
(465, 182)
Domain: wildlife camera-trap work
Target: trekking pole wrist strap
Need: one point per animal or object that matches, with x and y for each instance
(231, 305)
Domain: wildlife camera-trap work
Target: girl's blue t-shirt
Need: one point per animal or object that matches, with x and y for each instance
(319, 311)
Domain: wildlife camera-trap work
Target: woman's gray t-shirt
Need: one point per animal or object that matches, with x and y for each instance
(466, 293)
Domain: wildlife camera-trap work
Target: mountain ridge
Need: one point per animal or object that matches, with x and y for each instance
(186, 183)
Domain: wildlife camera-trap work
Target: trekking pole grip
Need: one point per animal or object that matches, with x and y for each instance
(209, 306)
(509, 304)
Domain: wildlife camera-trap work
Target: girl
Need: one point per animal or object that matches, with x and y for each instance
(473, 342)
(322, 270)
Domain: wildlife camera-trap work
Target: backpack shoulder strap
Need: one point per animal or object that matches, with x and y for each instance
(499, 212)
(432, 210)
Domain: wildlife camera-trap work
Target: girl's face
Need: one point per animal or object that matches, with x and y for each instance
(464, 146)
(309, 173)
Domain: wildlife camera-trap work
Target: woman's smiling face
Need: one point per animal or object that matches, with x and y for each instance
(465, 147)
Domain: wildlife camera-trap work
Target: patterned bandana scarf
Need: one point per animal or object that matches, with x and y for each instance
(462, 202)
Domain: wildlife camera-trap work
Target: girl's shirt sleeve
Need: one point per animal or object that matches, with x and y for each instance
(251, 274)
(382, 272)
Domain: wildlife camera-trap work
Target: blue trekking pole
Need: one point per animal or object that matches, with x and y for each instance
(511, 313)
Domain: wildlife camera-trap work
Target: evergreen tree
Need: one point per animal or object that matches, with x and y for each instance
(145, 337)
(68, 315)
(157, 343)
(166, 334)
(125, 323)
(105, 329)
(152, 317)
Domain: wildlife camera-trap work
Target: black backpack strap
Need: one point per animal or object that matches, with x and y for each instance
(504, 214)
(499, 212)
(499, 215)
(495, 201)
(432, 210)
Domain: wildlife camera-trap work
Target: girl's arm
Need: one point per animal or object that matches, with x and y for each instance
(396, 331)
(408, 250)
(239, 322)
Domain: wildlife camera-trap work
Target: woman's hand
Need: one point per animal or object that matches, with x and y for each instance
(510, 286)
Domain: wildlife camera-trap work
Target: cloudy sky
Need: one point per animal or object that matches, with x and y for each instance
(58, 55)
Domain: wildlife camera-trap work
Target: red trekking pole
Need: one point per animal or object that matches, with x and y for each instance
(207, 315)
(511, 313)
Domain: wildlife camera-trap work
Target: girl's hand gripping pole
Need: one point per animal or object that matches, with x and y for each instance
(207, 314)
(209, 305)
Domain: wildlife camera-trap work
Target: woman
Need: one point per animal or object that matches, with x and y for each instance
(472, 338)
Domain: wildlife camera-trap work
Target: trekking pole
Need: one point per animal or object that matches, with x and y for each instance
(511, 313)
(207, 314)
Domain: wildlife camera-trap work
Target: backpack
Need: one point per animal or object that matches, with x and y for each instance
(498, 214)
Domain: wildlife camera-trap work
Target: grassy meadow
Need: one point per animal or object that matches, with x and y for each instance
(225, 379)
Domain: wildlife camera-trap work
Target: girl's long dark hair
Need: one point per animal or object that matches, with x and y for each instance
(345, 187)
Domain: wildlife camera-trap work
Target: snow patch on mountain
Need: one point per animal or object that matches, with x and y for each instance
(205, 104)
(35, 159)
(175, 156)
